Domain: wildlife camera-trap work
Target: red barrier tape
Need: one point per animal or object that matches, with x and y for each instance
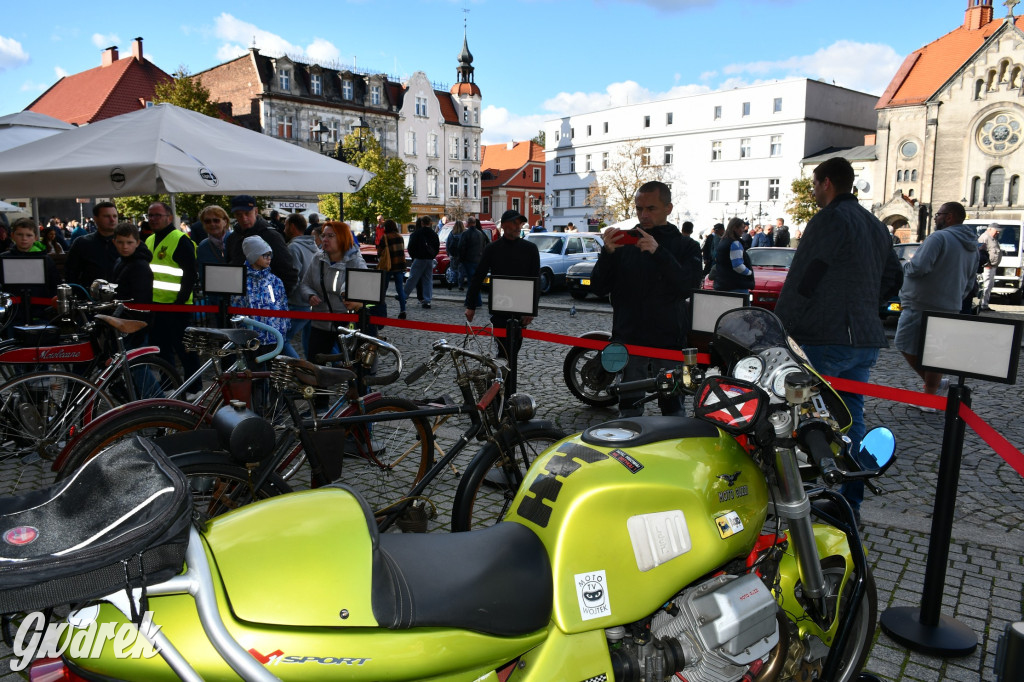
(993, 438)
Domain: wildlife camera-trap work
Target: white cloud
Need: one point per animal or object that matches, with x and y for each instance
(860, 66)
(61, 73)
(11, 53)
(240, 35)
(104, 41)
(29, 86)
(501, 126)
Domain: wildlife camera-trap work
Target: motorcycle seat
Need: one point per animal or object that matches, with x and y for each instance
(636, 431)
(496, 580)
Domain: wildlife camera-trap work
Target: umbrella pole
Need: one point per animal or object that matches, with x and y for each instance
(174, 211)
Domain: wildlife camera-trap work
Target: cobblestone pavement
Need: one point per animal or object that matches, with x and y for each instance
(985, 576)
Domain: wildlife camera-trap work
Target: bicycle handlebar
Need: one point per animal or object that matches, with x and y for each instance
(248, 321)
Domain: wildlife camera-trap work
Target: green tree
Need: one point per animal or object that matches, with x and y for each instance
(801, 206)
(385, 194)
(187, 92)
(540, 138)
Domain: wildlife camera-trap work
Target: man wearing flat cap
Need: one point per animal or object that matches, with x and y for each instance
(509, 256)
(249, 224)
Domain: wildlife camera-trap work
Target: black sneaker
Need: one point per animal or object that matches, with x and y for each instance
(426, 306)
(401, 315)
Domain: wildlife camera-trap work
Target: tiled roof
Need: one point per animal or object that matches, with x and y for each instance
(102, 92)
(447, 107)
(504, 164)
(924, 71)
(860, 153)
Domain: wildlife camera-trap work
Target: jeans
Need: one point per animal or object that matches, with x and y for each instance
(398, 277)
(990, 280)
(468, 270)
(168, 331)
(422, 271)
(847, 362)
(298, 326)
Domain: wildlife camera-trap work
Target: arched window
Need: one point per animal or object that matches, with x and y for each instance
(975, 191)
(1015, 78)
(913, 176)
(994, 186)
(899, 176)
(1014, 190)
(910, 193)
(979, 88)
(1004, 66)
(991, 80)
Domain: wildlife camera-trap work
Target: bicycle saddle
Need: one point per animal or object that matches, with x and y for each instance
(122, 325)
(241, 338)
(308, 374)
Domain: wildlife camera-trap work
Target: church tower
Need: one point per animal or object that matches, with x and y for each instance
(978, 13)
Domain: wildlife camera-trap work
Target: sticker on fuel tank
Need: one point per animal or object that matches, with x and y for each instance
(729, 524)
(592, 592)
(626, 461)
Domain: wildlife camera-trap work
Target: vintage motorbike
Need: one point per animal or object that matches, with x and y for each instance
(650, 548)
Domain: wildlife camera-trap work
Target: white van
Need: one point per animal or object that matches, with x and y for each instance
(1010, 275)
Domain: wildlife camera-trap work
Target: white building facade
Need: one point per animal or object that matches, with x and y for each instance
(724, 153)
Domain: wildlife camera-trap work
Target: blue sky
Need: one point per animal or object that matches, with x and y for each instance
(535, 59)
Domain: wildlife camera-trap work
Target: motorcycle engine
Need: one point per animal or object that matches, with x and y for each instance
(715, 631)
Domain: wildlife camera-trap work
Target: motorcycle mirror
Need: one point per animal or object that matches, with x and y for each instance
(877, 450)
(614, 357)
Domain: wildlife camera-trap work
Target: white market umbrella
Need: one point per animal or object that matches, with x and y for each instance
(28, 126)
(9, 208)
(167, 149)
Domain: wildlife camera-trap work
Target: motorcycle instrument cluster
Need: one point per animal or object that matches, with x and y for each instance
(768, 369)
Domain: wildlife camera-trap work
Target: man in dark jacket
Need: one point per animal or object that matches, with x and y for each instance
(471, 249)
(843, 269)
(92, 256)
(424, 244)
(649, 272)
(248, 224)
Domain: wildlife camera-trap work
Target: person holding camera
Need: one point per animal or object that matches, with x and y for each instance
(648, 272)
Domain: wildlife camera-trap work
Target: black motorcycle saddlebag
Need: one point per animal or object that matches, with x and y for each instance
(121, 521)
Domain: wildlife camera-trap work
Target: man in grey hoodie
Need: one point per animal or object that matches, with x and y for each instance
(302, 247)
(938, 278)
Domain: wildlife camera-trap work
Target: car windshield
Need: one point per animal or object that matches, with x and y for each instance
(775, 258)
(546, 243)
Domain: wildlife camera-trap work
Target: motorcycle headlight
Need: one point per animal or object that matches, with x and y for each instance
(522, 406)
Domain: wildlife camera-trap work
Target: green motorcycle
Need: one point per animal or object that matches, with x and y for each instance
(649, 548)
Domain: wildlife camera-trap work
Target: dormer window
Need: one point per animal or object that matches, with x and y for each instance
(374, 94)
(284, 79)
(346, 89)
(316, 84)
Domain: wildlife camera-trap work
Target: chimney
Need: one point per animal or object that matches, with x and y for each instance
(510, 145)
(137, 49)
(979, 13)
(109, 56)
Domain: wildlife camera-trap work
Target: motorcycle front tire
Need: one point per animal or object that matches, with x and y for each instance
(578, 381)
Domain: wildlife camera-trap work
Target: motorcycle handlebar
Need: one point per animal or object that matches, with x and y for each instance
(812, 437)
(635, 386)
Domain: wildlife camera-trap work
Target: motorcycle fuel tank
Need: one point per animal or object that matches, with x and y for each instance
(633, 510)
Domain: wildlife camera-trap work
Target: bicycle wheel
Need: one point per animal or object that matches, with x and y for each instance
(492, 478)
(151, 421)
(219, 486)
(41, 411)
(384, 460)
(153, 377)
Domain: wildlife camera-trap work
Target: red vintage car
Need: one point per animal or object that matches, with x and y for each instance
(770, 266)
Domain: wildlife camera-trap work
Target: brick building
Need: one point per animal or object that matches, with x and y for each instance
(513, 179)
(436, 132)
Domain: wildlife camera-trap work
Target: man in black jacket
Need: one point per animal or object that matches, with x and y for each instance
(248, 224)
(649, 272)
(844, 267)
(424, 245)
(92, 256)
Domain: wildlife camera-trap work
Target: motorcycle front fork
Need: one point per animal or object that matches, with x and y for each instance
(794, 506)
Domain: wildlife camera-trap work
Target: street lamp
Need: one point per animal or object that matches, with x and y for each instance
(341, 153)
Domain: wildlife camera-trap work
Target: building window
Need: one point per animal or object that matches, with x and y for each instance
(465, 114)
(453, 185)
(432, 183)
(558, 165)
(476, 116)
(744, 147)
(534, 205)
(346, 89)
(374, 94)
(668, 155)
(515, 204)
(432, 145)
(1011, 200)
(588, 131)
(716, 150)
(645, 156)
(586, 162)
(776, 145)
(975, 190)
(284, 127)
(718, 112)
(713, 194)
(994, 186)
(572, 133)
(604, 160)
(332, 135)
(572, 197)
(572, 164)
(668, 118)
(421, 106)
(746, 108)
(316, 84)
(465, 186)
(558, 198)
(743, 192)
(536, 174)
(913, 175)
(647, 121)
(777, 105)
(453, 150)
(476, 149)
(606, 126)
(284, 79)
(410, 142)
(410, 180)
(476, 186)
(773, 188)
(485, 208)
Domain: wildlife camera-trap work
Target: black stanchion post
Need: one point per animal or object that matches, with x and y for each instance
(223, 319)
(26, 305)
(925, 629)
(513, 339)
